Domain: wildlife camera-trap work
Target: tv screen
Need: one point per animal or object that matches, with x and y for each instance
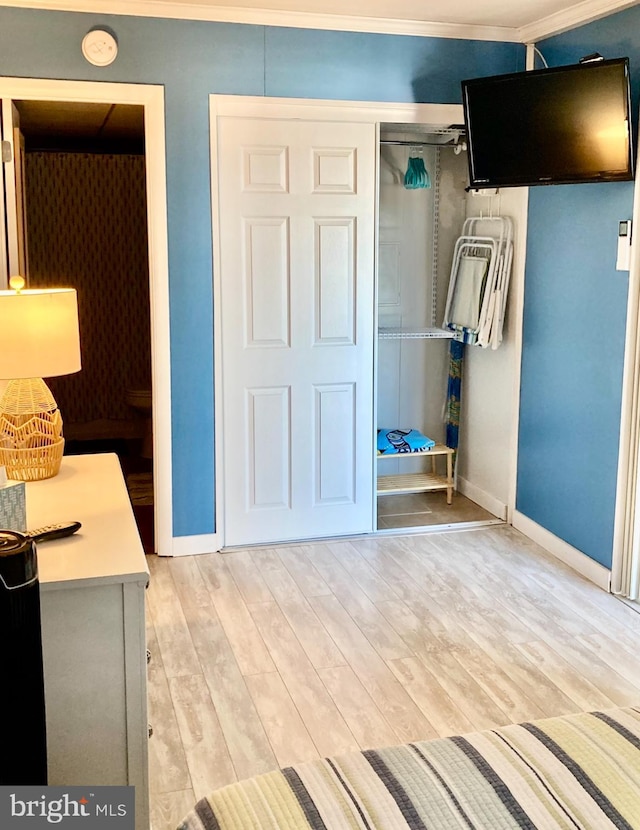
(562, 125)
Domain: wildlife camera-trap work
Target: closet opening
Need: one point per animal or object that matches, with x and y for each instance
(430, 296)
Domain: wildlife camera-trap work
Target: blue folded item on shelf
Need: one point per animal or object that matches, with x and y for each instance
(393, 441)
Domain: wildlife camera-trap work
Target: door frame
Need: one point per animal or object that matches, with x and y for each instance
(151, 97)
(307, 109)
(625, 565)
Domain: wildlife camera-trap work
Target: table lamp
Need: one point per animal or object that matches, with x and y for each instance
(39, 337)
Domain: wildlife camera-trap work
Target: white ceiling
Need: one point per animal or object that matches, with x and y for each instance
(509, 20)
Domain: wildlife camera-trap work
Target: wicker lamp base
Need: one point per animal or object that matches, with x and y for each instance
(31, 442)
(33, 464)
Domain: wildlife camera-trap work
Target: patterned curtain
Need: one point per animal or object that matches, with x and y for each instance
(87, 228)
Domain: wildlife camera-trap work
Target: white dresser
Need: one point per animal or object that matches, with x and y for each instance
(92, 593)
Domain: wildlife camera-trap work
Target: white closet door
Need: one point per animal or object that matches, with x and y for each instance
(296, 207)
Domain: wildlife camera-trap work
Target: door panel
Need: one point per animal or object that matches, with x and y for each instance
(296, 207)
(335, 278)
(269, 450)
(267, 280)
(335, 428)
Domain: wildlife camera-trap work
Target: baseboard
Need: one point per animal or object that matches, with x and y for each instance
(194, 545)
(574, 558)
(485, 500)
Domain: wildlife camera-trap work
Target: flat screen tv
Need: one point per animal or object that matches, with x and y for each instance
(562, 125)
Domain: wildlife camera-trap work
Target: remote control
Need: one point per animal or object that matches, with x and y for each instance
(49, 532)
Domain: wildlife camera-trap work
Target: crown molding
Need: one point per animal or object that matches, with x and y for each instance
(272, 17)
(578, 15)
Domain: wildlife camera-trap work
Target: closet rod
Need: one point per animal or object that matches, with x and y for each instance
(451, 143)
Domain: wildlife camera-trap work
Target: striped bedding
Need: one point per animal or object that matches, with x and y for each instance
(576, 771)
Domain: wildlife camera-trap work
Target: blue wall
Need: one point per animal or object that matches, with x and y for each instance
(574, 328)
(192, 60)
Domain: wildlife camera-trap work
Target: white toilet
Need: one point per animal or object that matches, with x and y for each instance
(142, 401)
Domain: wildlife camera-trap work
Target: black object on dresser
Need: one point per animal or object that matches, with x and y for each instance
(23, 750)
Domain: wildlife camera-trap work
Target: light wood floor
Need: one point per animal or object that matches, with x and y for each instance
(427, 509)
(267, 657)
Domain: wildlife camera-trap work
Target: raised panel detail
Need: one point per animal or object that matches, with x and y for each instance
(268, 420)
(335, 280)
(265, 169)
(335, 436)
(334, 170)
(267, 281)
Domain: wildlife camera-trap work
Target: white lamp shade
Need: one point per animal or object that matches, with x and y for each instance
(39, 334)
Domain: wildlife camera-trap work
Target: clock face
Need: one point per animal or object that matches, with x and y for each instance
(99, 47)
